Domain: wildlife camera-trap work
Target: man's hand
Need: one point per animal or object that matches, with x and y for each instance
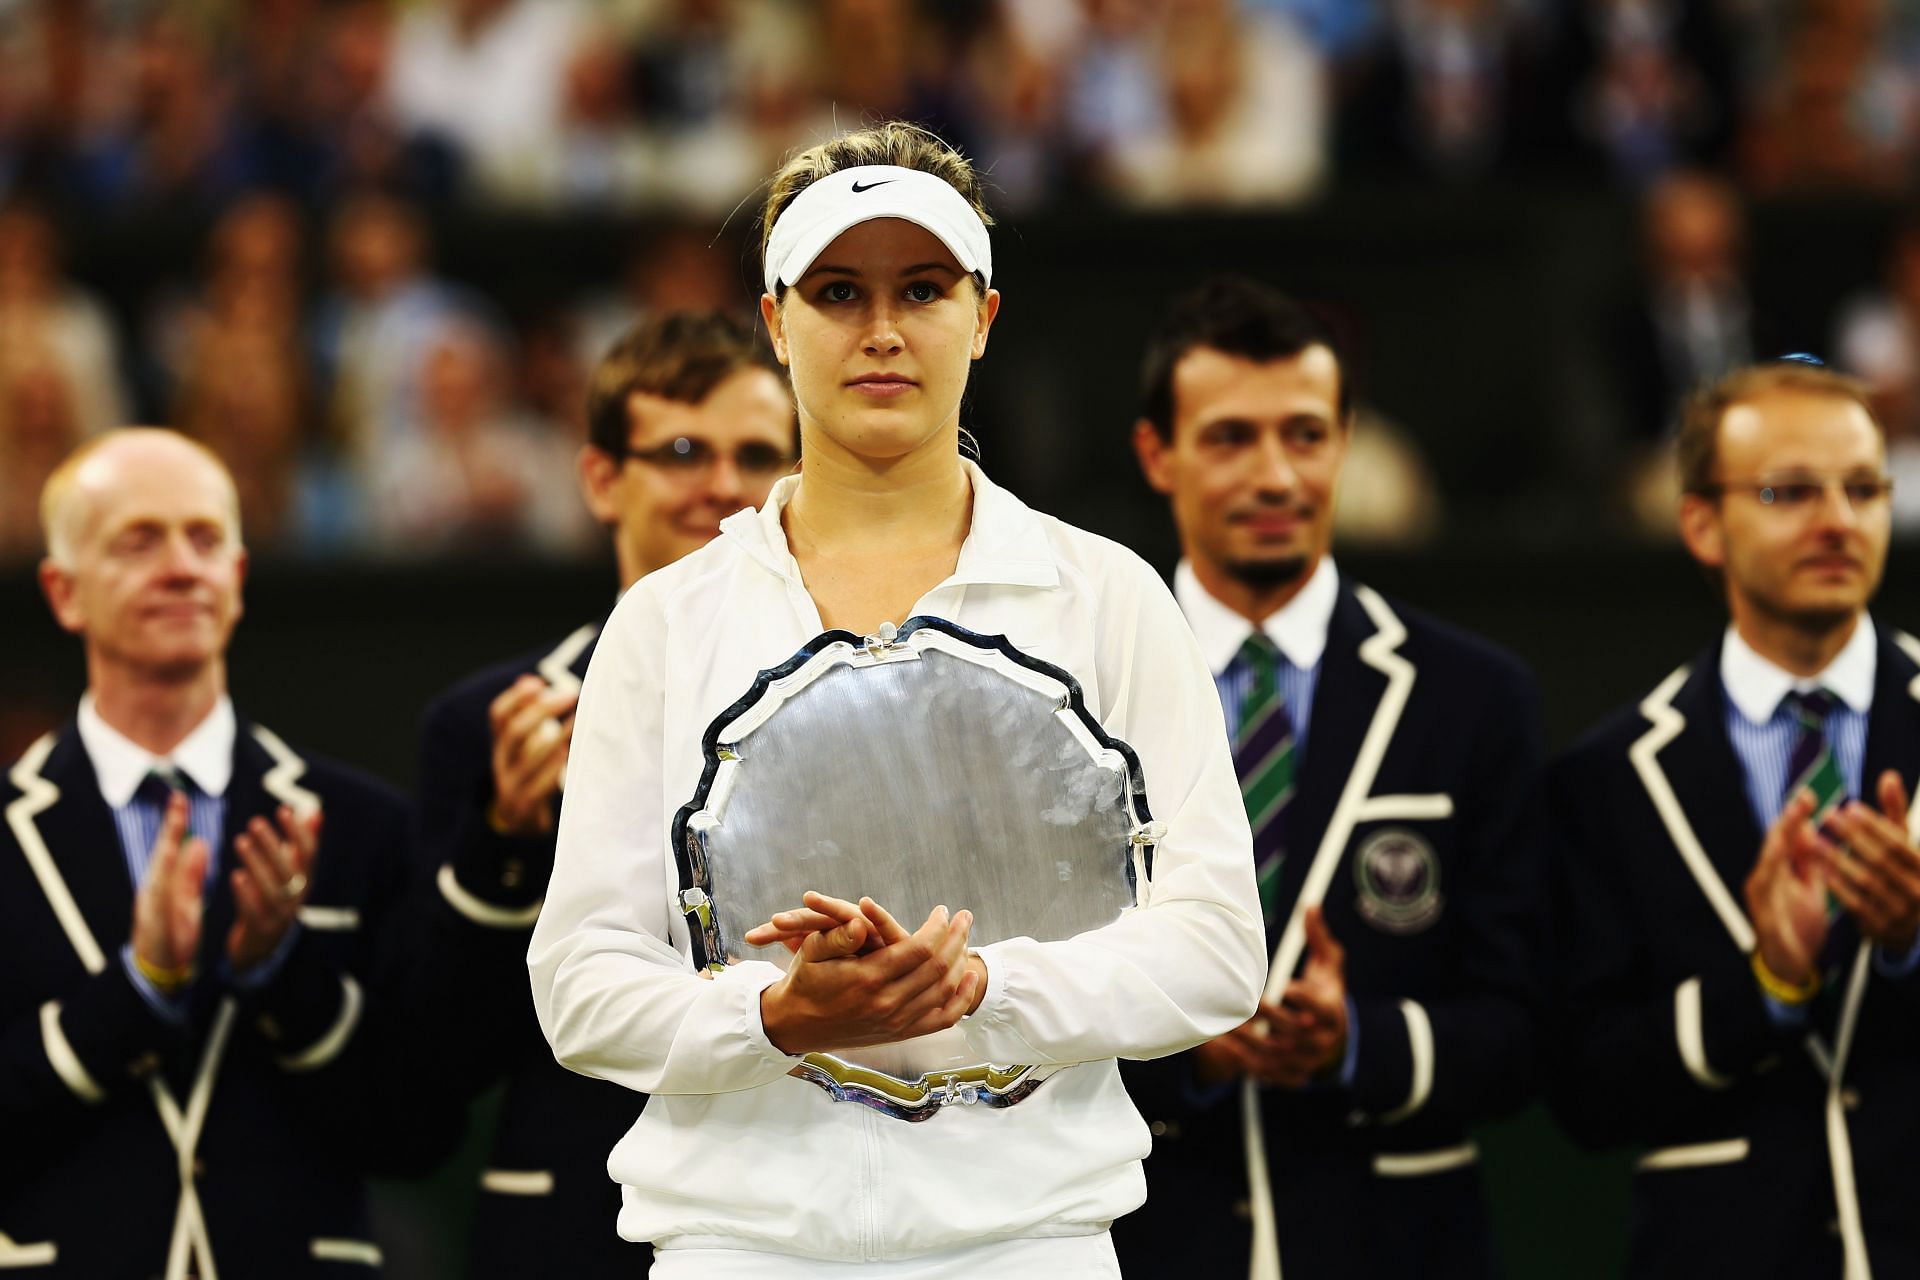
(532, 726)
(270, 884)
(1876, 877)
(843, 992)
(1303, 1038)
(1787, 895)
(166, 911)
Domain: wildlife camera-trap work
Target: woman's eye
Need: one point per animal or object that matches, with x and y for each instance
(923, 291)
(838, 291)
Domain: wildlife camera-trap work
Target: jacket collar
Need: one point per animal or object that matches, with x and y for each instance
(1755, 685)
(119, 764)
(1299, 628)
(1007, 543)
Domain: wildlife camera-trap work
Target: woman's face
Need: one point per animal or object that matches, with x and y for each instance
(879, 335)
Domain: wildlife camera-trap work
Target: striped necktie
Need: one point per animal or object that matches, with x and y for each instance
(1812, 765)
(1263, 756)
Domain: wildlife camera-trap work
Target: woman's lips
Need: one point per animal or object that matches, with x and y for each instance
(882, 388)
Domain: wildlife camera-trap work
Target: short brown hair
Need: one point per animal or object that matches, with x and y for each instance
(897, 142)
(1697, 445)
(682, 356)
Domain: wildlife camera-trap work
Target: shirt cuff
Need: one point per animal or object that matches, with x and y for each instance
(1892, 966)
(171, 1008)
(1351, 1061)
(1787, 1017)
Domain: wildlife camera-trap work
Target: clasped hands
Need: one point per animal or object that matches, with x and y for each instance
(1304, 1037)
(269, 887)
(858, 977)
(1863, 857)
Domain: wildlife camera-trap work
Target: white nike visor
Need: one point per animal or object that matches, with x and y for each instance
(849, 197)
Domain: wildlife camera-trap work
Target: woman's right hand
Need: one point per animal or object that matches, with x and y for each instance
(837, 994)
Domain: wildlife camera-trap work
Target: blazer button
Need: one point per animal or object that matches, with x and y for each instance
(1850, 1099)
(1243, 1210)
(513, 873)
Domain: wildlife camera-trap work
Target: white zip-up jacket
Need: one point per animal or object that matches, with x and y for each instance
(730, 1151)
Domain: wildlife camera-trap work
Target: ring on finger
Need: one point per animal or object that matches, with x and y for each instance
(294, 887)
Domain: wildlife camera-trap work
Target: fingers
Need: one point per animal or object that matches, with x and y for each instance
(185, 897)
(1893, 799)
(1321, 944)
(889, 930)
(258, 864)
(842, 940)
(534, 728)
(166, 845)
(511, 701)
(301, 839)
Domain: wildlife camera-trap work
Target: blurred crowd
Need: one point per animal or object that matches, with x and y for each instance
(369, 406)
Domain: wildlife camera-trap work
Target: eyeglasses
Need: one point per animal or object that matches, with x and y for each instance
(690, 456)
(1802, 492)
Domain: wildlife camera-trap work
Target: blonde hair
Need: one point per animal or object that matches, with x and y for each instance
(897, 142)
(1697, 443)
(61, 508)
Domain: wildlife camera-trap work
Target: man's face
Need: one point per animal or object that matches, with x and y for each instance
(154, 583)
(1253, 462)
(1813, 555)
(667, 498)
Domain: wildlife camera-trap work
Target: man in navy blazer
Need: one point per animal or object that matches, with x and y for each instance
(1388, 762)
(203, 1091)
(1738, 884)
(688, 421)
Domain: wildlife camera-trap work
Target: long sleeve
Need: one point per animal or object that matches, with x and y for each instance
(1188, 964)
(1634, 1053)
(615, 997)
(480, 893)
(65, 1058)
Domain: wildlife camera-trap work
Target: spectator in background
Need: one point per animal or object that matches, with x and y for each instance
(676, 266)
(1653, 83)
(45, 317)
(1690, 321)
(1243, 120)
(375, 326)
(243, 397)
(470, 475)
(1840, 112)
(724, 91)
(38, 427)
(486, 79)
(1877, 339)
(1454, 90)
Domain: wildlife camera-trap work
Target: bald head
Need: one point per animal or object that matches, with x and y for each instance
(79, 491)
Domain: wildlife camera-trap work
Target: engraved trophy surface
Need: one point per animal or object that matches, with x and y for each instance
(920, 767)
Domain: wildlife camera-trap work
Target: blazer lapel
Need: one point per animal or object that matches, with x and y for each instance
(1344, 701)
(1708, 781)
(77, 832)
(1893, 725)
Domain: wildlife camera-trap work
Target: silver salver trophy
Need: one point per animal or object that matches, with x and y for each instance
(920, 767)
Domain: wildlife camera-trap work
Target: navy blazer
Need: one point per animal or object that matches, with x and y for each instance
(1416, 822)
(1766, 1152)
(239, 1140)
(548, 1206)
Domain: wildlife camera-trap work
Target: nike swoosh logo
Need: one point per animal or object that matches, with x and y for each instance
(857, 188)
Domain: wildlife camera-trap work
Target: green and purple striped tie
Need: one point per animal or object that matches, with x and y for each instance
(1263, 756)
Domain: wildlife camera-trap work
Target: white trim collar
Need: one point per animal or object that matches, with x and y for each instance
(119, 764)
(1298, 627)
(1755, 686)
(1006, 545)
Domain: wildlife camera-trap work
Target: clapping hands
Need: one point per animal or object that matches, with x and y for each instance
(858, 977)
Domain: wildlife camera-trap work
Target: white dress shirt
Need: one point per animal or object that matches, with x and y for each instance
(731, 1153)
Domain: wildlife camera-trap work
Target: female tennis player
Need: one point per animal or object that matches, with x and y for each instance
(878, 271)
